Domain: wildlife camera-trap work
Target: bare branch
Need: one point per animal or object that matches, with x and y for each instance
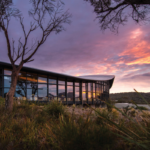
(110, 13)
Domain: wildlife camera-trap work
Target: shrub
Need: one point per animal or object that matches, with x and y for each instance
(55, 109)
(83, 134)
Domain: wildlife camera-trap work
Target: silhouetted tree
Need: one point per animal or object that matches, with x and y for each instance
(112, 13)
(47, 15)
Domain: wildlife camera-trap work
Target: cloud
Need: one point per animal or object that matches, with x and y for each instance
(83, 49)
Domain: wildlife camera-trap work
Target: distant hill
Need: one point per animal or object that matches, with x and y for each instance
(128, 96)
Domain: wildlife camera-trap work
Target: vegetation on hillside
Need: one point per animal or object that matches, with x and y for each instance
(128, 97)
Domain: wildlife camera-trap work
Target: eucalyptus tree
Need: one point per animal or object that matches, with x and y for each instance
(112, 13)
(47, 16)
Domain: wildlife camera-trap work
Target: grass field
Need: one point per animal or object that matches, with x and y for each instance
(58, 127)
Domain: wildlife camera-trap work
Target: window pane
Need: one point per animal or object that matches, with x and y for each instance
(89, 87)
(7, 72)
(21, 82)
(93, 95)
(76, 84)
(52, 81)
(20, 92)
(77, 94)
(89, 96)
(32, 81)
(84, 96)
(42, 79)
(70, 93)
(93, 87)
(52, 92)
(69, 83)
(61, 93)
(7, 81)
(32, 94)
(42, 91)
(61, 82)
(31, 77)
(84, 91)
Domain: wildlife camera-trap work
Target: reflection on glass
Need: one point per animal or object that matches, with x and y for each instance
(42, 79)
(70, 83)
(20, 93)
(52, 81)
(42, 92)
(61, 93)
(84, 92)
(61, 82)
(5, 91)
(89, 87)
(93, 95)
(93, 87)
(76, 83)
(7, 72)
(84, 96)
(52, 92)
(77, 94)
(32, 95)
(89, 96)
(70, 93)
(21, 82)
(7, 81)
(31, 77)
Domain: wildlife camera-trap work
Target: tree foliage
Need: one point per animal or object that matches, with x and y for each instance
(112, 13)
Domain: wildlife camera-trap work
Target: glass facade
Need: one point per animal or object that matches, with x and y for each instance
(90, 92)
(70, 91)
(84, 92)
(61, 90)
(38, 87)
(52, 89)
(77, 92)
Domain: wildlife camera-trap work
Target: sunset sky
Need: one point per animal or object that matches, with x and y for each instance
(83, 49)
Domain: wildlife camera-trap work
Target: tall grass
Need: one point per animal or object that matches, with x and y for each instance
(30, 126)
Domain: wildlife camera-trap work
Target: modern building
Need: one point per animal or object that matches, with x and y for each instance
(39, 85)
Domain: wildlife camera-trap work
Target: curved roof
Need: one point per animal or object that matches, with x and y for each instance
(109, 78)
(98, 77)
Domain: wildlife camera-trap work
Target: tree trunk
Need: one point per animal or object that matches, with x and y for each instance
(10, 94)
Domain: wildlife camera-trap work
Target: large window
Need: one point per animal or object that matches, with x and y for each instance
(90, 91)
(32, 86)
(84, 92)
(7, 81)
(77, 92)
(21, 85)
(94, 91)
(52, 94)
(70, 91)
(42, 79)
(7, 72)
(42, 88)
(61, 90)
(42, 92)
